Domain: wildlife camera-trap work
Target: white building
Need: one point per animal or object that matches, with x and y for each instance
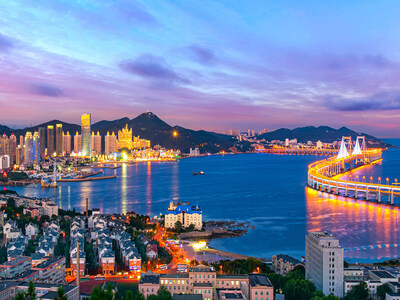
(31, 230)
(185, 213)
(324, 263)
(194, 152)
(4, 162)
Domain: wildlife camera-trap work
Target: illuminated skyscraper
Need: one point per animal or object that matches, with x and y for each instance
(21, 140)
(13, 146)
(96, 143)
(110, 142)
(50, 140)
(42, 135)
(36, 147)
(66, 143)
(85, 132)
(77, 143)
(28, 148)
(59, 140)
(20, 155)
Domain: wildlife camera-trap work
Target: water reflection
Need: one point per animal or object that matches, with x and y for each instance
(365, 229)
(124, 182)
(175, 182)
(148, 188)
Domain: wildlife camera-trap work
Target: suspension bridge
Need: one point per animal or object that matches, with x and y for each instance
(325, 175)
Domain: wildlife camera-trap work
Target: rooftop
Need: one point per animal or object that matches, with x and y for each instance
(259, 280)
(188, 297)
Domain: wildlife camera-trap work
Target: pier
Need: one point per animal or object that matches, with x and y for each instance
(301, 151)
(87, 178)
(324, 176)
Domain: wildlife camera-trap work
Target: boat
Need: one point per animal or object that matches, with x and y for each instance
(198, 173)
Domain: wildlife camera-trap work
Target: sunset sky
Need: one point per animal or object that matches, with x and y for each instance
(203, 64)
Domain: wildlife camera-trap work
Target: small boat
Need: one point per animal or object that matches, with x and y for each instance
(198, 173)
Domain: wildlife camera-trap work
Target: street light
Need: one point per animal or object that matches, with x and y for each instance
(387, 181)
(371, 180)
(379, 180)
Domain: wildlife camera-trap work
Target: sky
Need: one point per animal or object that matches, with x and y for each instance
(211, 65)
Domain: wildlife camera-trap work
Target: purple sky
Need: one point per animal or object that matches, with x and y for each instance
(203, 64)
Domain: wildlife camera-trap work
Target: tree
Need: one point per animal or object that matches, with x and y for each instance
(299, 289)
(152, 297)
(191, 227)
(31, 293)
(358, 292)
(20, 296)
(164, 294)
(382, 290)
(10, 202)
(178, 226)
(60, 294)
(139, 296)
(129, 295)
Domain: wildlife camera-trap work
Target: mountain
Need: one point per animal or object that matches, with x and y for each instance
(149, 126)
(323, 133)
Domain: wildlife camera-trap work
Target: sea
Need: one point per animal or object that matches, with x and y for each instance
(267, 190)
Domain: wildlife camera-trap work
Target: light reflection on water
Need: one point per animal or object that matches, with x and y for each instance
(356, 223)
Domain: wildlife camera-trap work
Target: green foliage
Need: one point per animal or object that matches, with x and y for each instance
(60, 294)
(99, 294)
(10, 203)
(358, 292)
(17, 176)
(163, 294)
(382, 290)
(5, 192)
(30, 248)
(3, 254)
(178, 226)
(31, 293)
(318, 295)
(164, 256)
(299, 289)
(191, 227)
(129, 295)
(118, 257)
(90, 258)
(241, 266)
(141, 249)
(139, 296)
(20, 296)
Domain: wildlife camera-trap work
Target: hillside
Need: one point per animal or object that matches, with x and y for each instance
(322, 133)
(149, 126)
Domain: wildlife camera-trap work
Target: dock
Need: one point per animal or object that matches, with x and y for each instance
(87, 179)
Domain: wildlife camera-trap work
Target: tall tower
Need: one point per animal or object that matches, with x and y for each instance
(324, 263)
(59, 141)
(42, 136)
(85, 132)
(66, 143)
(77, 143)
(50, 140)
(28, 148)
(110, 143)
(36, 147)
(13, 146)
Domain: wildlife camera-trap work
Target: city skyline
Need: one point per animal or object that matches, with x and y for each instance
(214, 65)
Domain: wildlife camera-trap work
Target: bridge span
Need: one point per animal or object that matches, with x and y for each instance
(324, 176)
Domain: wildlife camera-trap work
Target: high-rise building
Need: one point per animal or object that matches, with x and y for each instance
(96, 143)
(4, 145)
(77, 143)
(50, 141)
(28, 148)
(20, 155)
(324, 263)
(21, 140)
(4, 162)
(59, 140)
(66, 143)
(42, 135)
(110, 143)
(85, 132)
(36, 147)
(125, 140)
(13, 146)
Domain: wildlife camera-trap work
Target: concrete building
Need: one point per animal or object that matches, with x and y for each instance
(283, 264)
(8, 290)
(324, 263)
(77, 143)
(85, 132)
(185, 213)
(110, 143)
(16, 266)
(42, 135)
(50, 140)
(66, 141)
(51, 270)
(96, 143)
(49, 291)
(204, 281)
(31, 230)
(5, 162)
(194, 152)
